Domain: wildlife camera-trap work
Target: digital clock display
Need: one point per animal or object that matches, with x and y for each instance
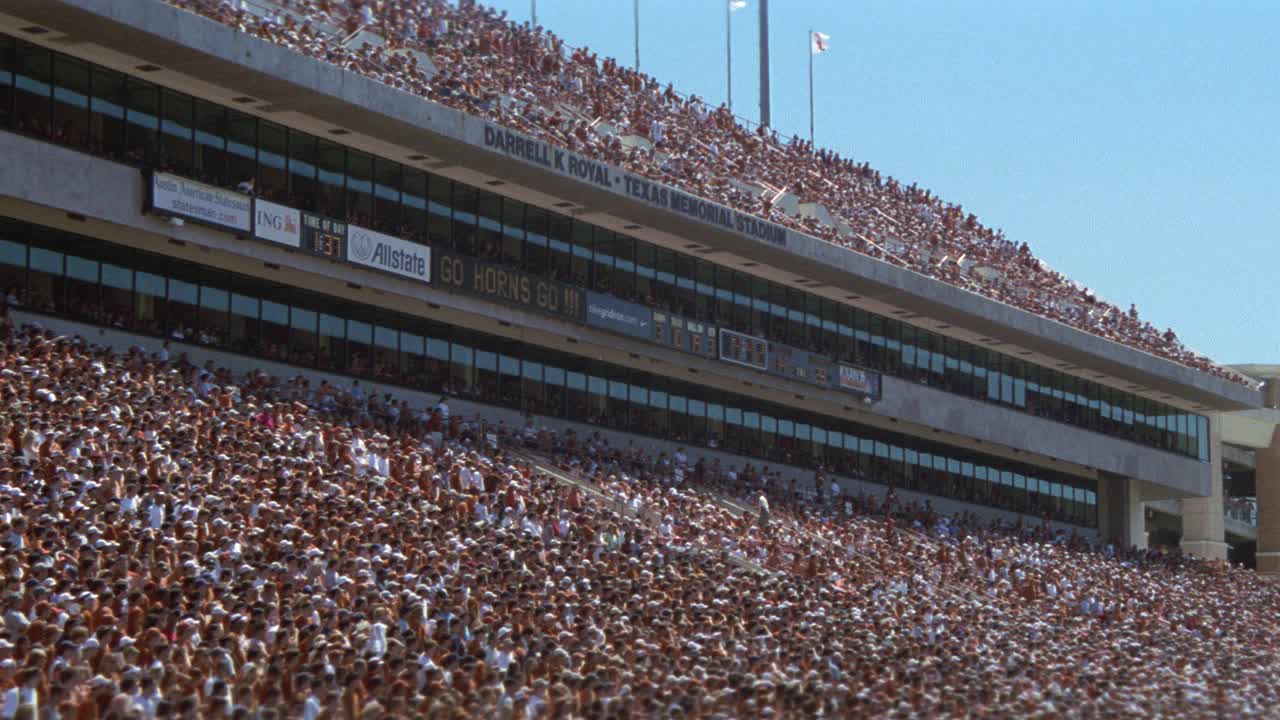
(324, 237)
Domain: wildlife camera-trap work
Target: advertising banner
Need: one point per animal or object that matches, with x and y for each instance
(179, 197)
(620, 316)
(277, 223)
(860, 381)
(389, 254)
(514, 287)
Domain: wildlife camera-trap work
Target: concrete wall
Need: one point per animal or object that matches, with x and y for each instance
(120, 341)
(205, 56)
(111, 196)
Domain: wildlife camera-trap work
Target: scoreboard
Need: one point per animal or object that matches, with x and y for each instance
(749, 350)
(324, 236)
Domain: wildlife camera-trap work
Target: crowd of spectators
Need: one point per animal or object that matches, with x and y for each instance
(182, 542)
(480, 61)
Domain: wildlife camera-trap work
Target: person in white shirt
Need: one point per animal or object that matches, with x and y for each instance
(148, 698)
(762, 503)
(25, 694)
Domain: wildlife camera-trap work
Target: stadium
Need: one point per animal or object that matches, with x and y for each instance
(361, 360)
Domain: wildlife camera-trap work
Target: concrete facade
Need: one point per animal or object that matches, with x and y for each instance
(1203, 523)
(1122, 510)
(111, 196)
(1267, 479)
(214, 61)
(1268, 483)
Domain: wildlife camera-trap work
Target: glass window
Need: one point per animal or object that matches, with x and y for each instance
(182, 310)
(177, 133)
(7, 67)
(359, 347)
(413, 359)
(71, 101)
(331, 167)
(513, 233)
(211, 142)
(461, 367)
(413, 196)
(242, 148)
(107, 118)
(624, 266)
(44, 280)
(560, 246)
(82, 288)
(275, 329)
(148, 310)
(360, 188)
(439, 214)
(302, 170)
(602, 268)
(464, 219)
(304, 338)
(243, 327)
(33, 90)
(214, 319)
(537, 257)
(489, 226)
(386, 197)
(273, 163)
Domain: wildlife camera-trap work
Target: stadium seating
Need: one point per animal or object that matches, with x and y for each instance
(184, 543)
(478, 61)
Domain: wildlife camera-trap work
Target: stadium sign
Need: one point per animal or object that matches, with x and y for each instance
(796, 364)
(515, 287)
(389, 254)
(691, 336)
(277, 223)
(324, 236)
(857, 380)
(620, 316)
(564, 162)
(179, 197)
(742, 349)
(801, 365)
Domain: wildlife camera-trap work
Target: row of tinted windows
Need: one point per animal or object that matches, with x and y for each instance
(62, 274)
(102, 111)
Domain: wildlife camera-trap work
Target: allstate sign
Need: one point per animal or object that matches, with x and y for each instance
(389, 254)
(277, 223)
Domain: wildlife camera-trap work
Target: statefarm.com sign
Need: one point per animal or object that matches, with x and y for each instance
(179, 197)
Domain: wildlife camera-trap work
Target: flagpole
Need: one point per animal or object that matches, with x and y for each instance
(728, 51)
(636, 13)
(764, 63)
(810, 49)
(533, 12)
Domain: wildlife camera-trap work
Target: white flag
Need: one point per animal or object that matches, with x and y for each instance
(819, 42)
(736, 5)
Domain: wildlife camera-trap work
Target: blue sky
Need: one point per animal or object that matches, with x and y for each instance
(1134, 145)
